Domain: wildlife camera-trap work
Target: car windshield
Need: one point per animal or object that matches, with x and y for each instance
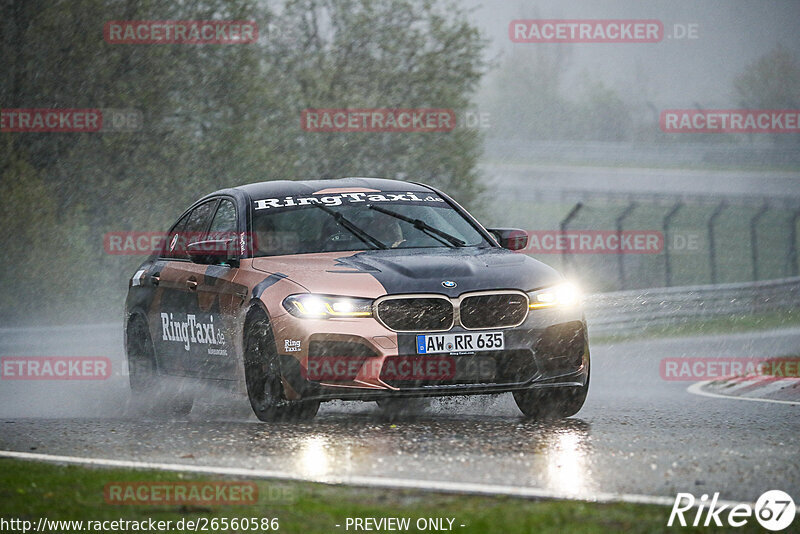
(358, 221)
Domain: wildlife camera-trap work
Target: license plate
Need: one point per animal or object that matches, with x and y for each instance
(461, 342)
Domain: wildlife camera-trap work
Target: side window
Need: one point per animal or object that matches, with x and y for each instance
(223, 227)
(189, 232)
(225, 219)
(171, 248)
(198, 220)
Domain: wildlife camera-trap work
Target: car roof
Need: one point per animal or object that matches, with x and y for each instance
(307, 187)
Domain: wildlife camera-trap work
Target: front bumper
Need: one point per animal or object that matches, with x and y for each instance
(349, 358)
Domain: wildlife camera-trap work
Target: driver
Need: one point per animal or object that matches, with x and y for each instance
(384, 229)
(388, 233)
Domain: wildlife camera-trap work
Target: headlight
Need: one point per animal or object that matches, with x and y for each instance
(311, 306)
(562, 295)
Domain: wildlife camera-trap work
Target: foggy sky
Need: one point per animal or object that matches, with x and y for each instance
(673, 73)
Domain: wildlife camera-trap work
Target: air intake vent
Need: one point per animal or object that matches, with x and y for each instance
(421, 314)
(493, 311)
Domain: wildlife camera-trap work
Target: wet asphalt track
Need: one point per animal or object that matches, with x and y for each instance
(637, 433)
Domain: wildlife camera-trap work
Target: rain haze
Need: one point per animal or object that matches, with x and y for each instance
(688, 71)
(385, 244)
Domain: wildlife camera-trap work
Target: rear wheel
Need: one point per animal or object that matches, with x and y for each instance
(550, 403)
(264, 379)
(151, 394)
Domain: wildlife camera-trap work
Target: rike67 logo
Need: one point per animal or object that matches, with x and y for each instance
(774, 510)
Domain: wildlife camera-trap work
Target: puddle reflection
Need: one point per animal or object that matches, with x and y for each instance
(555, 456)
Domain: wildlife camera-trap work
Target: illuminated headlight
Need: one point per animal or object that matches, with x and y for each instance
(311, 306)
(561, 295)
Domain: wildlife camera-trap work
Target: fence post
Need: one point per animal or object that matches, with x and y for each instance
(712, 252)
(754, 238)
(563, 228)
(620, 256)
(665, 228)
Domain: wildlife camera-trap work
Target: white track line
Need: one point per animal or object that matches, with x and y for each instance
(697, 389)
(377, 482)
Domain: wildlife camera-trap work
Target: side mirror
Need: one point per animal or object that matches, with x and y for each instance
(213, 252)
(510, 238)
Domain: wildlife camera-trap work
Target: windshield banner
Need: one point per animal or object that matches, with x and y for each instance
(383, 197)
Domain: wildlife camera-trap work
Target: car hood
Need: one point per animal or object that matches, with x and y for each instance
(411, 271)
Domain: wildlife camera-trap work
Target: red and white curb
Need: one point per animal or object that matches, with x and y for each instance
(758, 388)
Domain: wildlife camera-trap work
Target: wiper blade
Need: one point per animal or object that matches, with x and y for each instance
(421, 225)
(352, 228)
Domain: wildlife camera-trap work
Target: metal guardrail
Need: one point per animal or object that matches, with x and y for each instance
(623, 311)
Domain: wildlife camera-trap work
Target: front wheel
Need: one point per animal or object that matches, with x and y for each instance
(550, 403)
(264, 379)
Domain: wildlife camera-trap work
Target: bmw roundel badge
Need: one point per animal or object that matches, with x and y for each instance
(449, 284)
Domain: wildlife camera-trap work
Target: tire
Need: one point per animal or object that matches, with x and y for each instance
(263, 376)
(551, 403)
(151, 394)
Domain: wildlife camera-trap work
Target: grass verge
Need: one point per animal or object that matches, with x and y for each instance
(30, 490)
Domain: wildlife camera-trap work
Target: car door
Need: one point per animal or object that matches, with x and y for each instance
(173, 317)
(219, 299)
